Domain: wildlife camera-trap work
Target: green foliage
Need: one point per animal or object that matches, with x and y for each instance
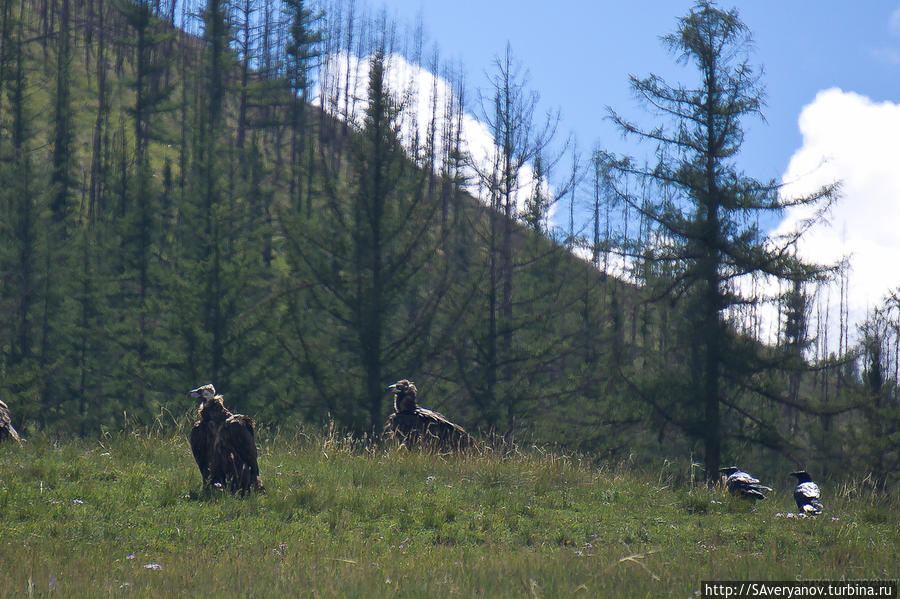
(176, 214)
(710, 239)
(342, 518)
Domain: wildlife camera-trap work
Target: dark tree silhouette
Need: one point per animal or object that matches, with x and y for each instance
(710, 219)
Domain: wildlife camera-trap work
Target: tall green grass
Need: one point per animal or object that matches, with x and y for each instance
(124, 516)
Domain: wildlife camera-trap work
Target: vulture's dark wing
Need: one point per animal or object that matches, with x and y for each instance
(427, 427)
(6, 427)
(240, 439)
(200, 443)
(402, 423)
(438, 420)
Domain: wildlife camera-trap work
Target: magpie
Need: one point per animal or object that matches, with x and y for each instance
(744, 484)
(807, 494)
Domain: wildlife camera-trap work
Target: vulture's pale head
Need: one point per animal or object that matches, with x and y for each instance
(205, 394)
(404, 395)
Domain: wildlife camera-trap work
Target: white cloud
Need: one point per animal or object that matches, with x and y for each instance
(850, 138)
(894, 22)
(424, 96)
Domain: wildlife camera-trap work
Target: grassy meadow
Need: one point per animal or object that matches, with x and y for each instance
(124, 516)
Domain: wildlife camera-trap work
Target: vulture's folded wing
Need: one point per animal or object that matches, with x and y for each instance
(200, 446)
(242, 441)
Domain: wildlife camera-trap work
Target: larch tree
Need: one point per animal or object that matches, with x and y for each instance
(24, 202)
(710, 229)
(217, 36)
(519, 159)
(304, 50)
(377, 275)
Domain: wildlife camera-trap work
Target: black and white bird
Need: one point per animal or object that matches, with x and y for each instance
(807, 494)
(742, 483)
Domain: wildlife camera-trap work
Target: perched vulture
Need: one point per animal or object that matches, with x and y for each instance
(6, 427)
(224, 445)
(417, 426)
(807, 494)
(742, 483)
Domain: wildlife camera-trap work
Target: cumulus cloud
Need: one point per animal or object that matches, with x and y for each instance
(424, 96)
(850, 138)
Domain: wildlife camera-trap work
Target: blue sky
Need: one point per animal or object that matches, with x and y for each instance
(580, 53)
(832, 80)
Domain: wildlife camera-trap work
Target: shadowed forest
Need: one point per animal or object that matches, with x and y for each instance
(237, 193)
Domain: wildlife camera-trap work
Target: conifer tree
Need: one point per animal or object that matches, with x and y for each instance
(502, 346)
(367, 259)
(303, 53)
(711, 223)
(62, 119)
(23, 201)
(209, 223)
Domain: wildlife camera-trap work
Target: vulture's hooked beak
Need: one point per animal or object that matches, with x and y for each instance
(198, 394)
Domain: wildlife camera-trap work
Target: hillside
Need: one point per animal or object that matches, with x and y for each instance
(173, 244)
(180, 215)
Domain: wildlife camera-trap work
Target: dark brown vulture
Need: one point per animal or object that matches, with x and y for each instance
(224, 445)
(6, 428)
(418, 427)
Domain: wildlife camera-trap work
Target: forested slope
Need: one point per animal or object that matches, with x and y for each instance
(176, 217)
(176, 212)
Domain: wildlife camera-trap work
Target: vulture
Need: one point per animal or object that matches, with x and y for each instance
(6, 427)
(807, 494)
(417, 426)
(224, 445)
(742, 483)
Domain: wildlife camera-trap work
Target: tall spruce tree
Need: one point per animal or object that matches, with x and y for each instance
(304, 49)
(711, 223)
(56, 318)
(24, 201)
(378, 279)
(209, 162)
(62, 119)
